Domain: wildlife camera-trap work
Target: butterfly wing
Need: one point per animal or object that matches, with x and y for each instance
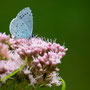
(19, 29)
(26, 16)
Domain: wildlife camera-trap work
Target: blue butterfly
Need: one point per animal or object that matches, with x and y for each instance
(22, 25)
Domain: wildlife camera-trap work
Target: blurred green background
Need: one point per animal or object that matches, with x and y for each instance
(68, 22)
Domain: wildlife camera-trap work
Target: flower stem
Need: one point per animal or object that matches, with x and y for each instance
(63, 85)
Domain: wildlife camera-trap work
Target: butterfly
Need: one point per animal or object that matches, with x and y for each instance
(22, 25)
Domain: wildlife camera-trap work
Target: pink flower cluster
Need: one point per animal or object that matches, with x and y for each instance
(9, 59)
(4, 48)
(43, 59)
(42, 55)
(4, 38)
(4, 52)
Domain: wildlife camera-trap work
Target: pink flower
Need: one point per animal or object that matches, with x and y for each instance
(4, 38)
(4, 47)
(43, 56)
(4, 52)
(12, 64)
(43, 59)
(9, 59)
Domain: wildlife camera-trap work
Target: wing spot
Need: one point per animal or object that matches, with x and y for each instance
(22, 32)
(20, 17)
(22, 23)
(23, 16)
(17, 25)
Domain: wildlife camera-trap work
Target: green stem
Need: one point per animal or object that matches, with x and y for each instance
(16, 71)
(63, 85)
